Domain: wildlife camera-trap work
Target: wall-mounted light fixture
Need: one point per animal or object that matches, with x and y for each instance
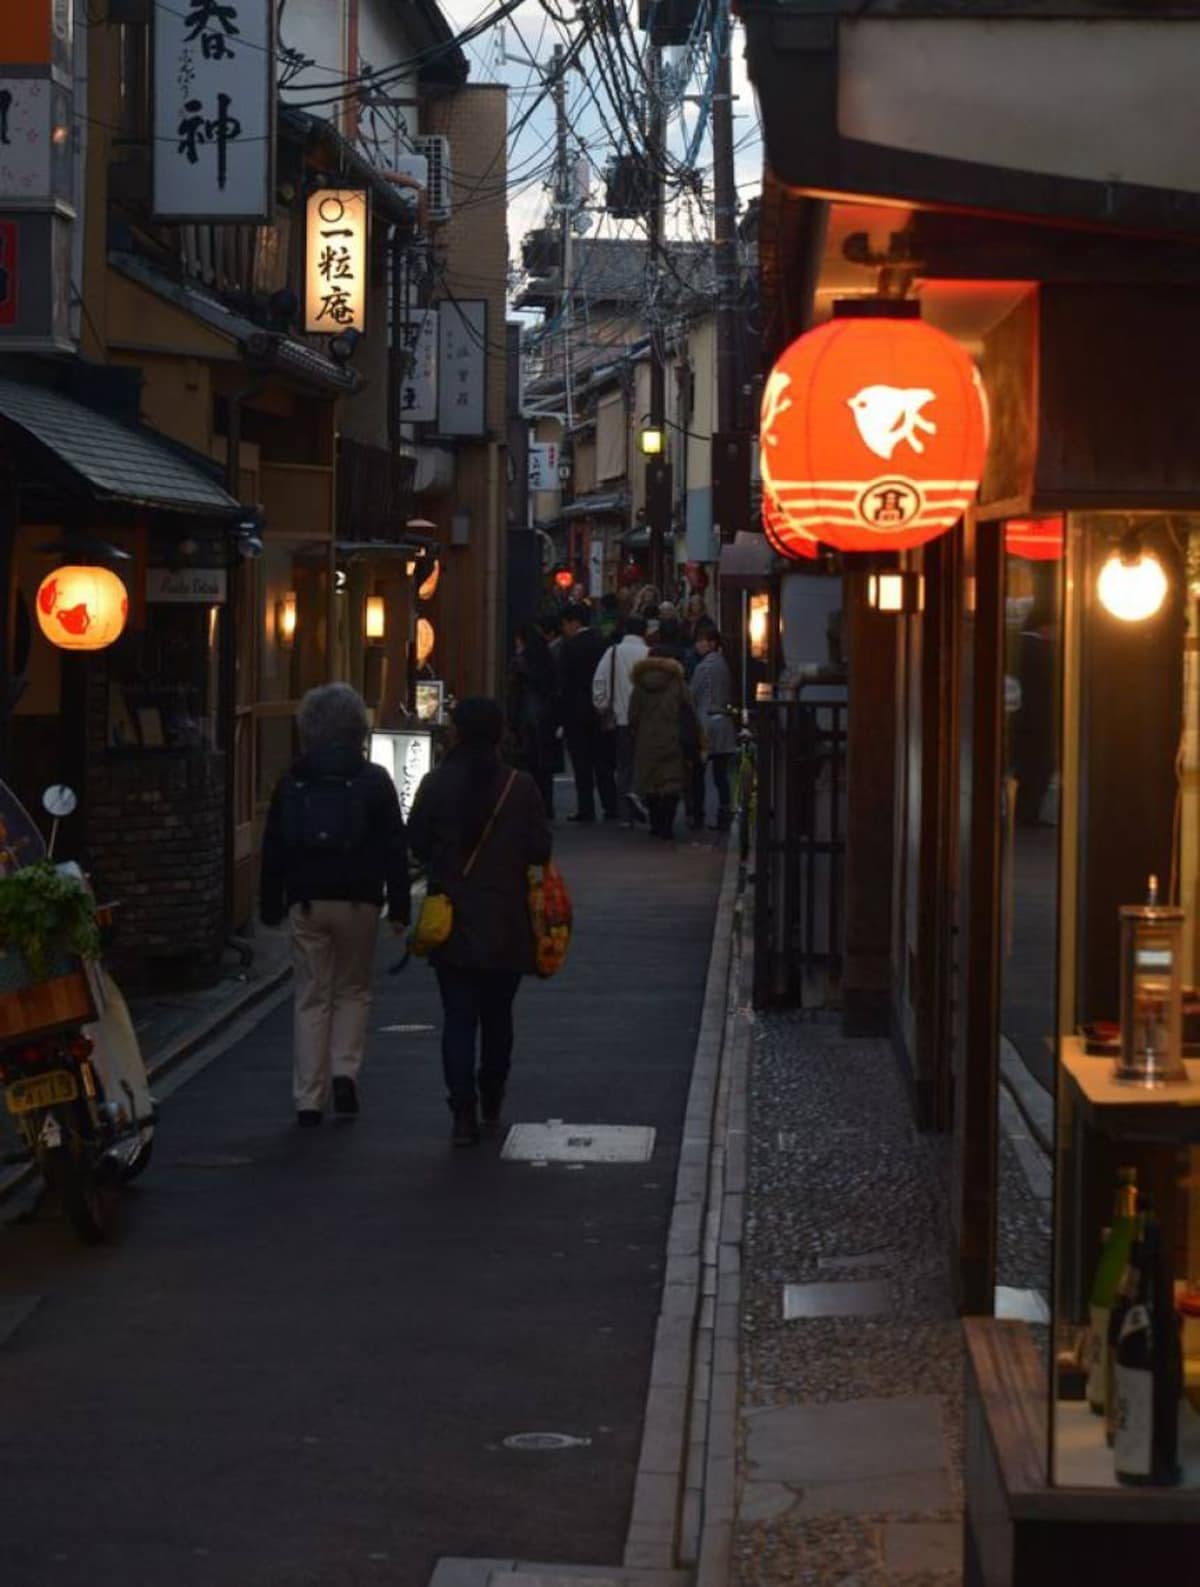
(650, 440)
(758, 626)
(285, 619)
(897, 592)
(1132, 584)
(375, 618)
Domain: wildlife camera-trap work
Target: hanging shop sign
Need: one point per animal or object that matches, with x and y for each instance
(186, 586)
(35, 140)
(1035, 539)
(214, 110)
(335, 272)
(462, 368)
(419, 386)
(543, 465)
(82, 608)
(873, 437)
(35, 276)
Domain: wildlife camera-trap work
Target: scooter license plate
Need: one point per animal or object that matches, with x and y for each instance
(41, 1091)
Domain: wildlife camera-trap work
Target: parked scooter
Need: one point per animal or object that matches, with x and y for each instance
(71, 1068)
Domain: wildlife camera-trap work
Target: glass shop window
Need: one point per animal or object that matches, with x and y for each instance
(163, 682)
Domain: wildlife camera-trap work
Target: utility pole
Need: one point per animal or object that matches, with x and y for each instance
(656, 153)
(563, 196)
(725, 253)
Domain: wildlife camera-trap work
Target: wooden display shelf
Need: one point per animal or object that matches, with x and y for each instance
(1020, 1531)
(1132, 1112)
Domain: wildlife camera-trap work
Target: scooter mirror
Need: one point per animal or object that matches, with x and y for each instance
(59, 801)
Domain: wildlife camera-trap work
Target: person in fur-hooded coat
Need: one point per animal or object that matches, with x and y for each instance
(660, 714)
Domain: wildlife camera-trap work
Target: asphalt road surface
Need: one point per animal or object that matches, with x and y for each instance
(298, 1366)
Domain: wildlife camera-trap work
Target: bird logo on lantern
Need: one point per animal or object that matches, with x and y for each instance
(82, 608)
(860, 391)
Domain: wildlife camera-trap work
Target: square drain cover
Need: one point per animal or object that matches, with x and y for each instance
(579, 1143)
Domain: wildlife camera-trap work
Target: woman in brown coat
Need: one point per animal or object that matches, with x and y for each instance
(473, 805)
(662, 720)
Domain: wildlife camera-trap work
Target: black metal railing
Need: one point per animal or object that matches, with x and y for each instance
(799, 851)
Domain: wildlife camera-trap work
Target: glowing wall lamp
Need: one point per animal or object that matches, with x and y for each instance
(285, 619)
(1132, 584)
(758, 626)
(896, 592)
(375, 618)
(650, 440)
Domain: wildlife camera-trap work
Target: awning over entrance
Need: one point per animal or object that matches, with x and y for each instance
(116, 463)
(613, 502)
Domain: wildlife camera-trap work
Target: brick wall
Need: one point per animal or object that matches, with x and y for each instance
(155, 836)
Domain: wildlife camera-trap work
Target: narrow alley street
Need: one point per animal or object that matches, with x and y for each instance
(300, 1364)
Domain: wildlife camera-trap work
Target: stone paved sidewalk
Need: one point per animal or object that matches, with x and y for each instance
(849, 1435)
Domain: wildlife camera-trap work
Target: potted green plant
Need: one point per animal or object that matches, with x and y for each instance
(44, 915)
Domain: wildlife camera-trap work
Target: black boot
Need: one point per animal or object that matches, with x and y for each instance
(466, 1125)
(491, 1101)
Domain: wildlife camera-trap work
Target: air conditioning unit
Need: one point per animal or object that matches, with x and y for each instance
(415, 166)
(436, 151)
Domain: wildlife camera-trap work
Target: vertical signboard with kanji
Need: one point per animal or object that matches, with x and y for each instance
(214, 109)
(419, 379)
(335, 273)
(462, 368)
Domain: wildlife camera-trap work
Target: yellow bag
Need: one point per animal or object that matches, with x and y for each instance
(434, 923)
(436, 920)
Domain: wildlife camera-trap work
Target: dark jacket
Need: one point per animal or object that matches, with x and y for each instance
(581, 654)
(376, 869)
(492, 930)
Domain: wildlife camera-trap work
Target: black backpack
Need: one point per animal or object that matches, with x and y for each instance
(325, 815)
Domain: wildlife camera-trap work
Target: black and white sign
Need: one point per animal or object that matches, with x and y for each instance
(214, 109)
(192, 586)
(462, 368)
(543, 465)
(35, 133)
(419, 385)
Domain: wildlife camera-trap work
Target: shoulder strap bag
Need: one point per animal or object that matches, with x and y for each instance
(436, 920)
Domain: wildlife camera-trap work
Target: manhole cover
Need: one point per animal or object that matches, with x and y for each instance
(579, 1143)
(543, 1441)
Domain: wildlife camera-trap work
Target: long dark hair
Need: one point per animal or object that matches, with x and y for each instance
(479, 724)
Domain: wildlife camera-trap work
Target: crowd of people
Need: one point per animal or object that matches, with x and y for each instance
(640, 700)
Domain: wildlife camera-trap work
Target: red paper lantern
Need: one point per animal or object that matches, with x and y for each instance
(82, 608)
(873, 437)
(564, 578)
(1035, 539)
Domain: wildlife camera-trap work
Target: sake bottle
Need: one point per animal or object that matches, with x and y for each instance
(1114, 1257)
(1148, 1369)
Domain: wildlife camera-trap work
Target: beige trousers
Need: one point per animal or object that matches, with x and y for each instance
(333, 945)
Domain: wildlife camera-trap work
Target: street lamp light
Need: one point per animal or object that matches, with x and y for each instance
(651, 440)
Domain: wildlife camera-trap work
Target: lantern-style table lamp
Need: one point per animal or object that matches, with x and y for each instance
(1151, 993)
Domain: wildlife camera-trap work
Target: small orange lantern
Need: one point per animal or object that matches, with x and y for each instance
(563, 579)
(873, 435)
(82, 608)
(428, 589)
(1035, 539)
(425, 640)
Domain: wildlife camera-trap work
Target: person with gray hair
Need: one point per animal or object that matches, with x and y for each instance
(334, 852)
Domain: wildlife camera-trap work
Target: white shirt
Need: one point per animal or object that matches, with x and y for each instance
(612, 681)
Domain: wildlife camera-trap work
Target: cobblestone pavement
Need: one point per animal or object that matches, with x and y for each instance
(850, 1427)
